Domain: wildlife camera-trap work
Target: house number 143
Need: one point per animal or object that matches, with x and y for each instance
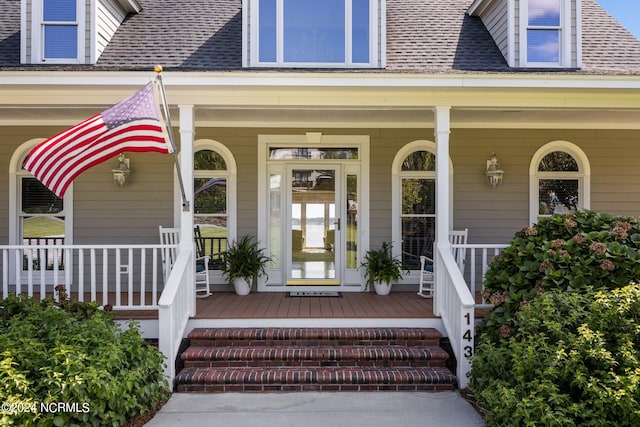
(466, 336)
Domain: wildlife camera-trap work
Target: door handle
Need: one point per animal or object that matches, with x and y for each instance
(337, 223)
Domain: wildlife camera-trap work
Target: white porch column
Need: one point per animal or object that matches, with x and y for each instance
(187, 131)
(442, 121)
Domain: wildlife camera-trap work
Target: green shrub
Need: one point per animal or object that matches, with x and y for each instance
(68, 363)
(575, 252)
(574, 360)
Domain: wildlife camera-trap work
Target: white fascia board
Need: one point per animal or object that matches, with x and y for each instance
(306, 80)
(131, 6)
(478, 7)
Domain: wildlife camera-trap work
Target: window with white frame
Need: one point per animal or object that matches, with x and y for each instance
(60, 30)
(414, 202)
(311, 33)
(39, 217)
(560, 180)
(544, 29)
(214, 198)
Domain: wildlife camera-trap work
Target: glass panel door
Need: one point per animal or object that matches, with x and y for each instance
(315, 226)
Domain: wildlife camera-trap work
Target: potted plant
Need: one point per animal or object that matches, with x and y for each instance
(243, 261)
(381, 268)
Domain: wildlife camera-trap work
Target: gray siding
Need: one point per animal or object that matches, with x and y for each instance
(516, 34)
(496, 20)
(492, 215)
(105, 213)
(87, 33)
(109, 18)
(29, 33)
(574, 34)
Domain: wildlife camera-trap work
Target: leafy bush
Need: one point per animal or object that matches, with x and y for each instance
(575, 251)
(574, 360)
(68, 363)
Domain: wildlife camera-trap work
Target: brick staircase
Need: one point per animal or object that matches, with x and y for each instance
(302, 359)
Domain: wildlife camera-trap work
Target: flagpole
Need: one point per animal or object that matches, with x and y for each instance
(167, 117)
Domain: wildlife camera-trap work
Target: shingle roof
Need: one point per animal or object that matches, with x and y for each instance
(438, 36)
(188, 34)
(607, 47)
(9, 32)
(422, 36)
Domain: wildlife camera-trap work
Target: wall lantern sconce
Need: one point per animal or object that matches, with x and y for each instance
(494, 172)
(121, 174)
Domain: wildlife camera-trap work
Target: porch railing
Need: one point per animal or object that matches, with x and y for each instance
(477, 259)
(176, 305)
(456, 297)
(127, 277)
(456, 308)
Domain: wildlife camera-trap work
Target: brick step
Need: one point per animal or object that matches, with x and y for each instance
(314, 379)
(200, 337)
(386, 356)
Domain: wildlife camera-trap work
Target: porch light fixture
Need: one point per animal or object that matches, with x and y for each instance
(121, 174)
(494, 172)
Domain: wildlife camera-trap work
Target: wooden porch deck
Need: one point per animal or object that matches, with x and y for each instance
(279, 305)
(272, 305)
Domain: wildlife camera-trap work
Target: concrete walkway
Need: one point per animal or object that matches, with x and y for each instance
(311, 409)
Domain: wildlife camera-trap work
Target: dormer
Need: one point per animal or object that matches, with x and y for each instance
(69, 31)
(534, 33)
(314, 34)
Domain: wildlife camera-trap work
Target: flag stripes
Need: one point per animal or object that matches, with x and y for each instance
(57, 161)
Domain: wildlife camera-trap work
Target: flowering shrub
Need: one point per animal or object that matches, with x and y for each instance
(574, 360)
(576, 251)
(68, 363)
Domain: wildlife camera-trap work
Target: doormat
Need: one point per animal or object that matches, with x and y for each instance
(314, 294)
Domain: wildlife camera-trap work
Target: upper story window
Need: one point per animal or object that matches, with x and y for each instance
(545, 29)
(59, 29)
(53, 32)
(311, 33)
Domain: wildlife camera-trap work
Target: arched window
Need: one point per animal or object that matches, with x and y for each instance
(214, 189)
(559, 180)
(37, 216)
(414, 202)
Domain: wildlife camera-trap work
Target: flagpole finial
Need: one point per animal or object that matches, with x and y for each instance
(158, 68)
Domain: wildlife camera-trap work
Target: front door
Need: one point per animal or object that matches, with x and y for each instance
(315, 216)
(313, 220)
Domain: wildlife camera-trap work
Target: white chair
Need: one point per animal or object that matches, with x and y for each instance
(427, 275)
(171, 236)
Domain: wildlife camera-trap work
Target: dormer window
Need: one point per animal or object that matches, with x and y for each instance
(545, 33)
(59, 30)
(69, 31)
(534, 33)
(53, 32)
(311, 33)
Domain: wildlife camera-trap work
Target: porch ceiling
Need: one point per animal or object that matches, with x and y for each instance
(395, 117)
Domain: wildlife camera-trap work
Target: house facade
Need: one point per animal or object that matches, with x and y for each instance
(321, 128)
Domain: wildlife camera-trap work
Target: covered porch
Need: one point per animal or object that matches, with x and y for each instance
(128, 278)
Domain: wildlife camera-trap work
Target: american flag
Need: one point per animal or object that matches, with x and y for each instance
(132, 125)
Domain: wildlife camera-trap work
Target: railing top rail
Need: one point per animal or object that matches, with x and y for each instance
(451, 268)
(94, 246)
(480, 245)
